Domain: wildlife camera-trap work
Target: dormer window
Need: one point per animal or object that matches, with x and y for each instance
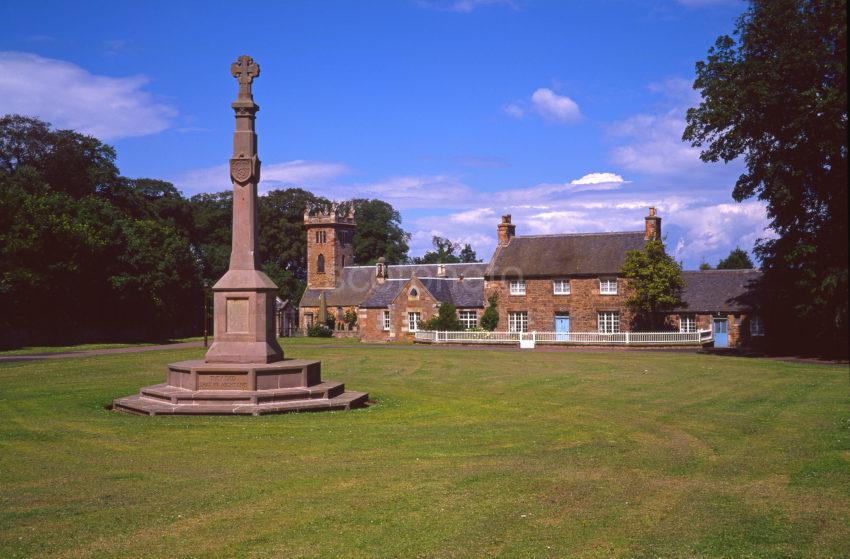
(607, 286)
(517, 287)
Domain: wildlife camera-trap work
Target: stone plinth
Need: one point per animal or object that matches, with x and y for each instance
(200, 388)
(244, 319)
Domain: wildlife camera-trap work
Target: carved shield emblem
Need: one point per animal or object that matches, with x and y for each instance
(241, 170)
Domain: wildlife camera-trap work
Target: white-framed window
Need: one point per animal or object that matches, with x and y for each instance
(609, 322)
(385, 320)
(687, 323)
(517, 287)
(413, 319)
(469, 319)
(607, 286)
(518, 321)
(561, 287)
(756, 326)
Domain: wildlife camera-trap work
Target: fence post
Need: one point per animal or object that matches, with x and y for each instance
(627, 337)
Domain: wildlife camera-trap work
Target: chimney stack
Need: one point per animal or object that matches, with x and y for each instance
(381, 270)
(441, 270)
(653, 226)
(506, 230)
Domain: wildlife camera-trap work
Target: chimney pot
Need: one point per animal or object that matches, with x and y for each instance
(506, 230)
(653, 226)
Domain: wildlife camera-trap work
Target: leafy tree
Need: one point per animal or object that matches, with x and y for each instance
(738, 259)
(776, 95)
(490, 317)
(655, 283)
(350, 318)
(86, 253)
(283, 239)
(446, 319)
(379, 233)
(467, 254)
(447, 252)
(704, 266)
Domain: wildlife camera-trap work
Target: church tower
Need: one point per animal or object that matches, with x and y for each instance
(330, 245)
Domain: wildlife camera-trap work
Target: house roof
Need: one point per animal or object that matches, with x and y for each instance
(554, 255)
(356, 282)
(717, 290)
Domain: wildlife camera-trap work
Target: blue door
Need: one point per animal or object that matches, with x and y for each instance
(721, 332)
(562, 327)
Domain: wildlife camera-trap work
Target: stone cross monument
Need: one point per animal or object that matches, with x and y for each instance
(244, 371)
(244, 297)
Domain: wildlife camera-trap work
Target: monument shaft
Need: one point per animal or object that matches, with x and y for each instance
(244, 298)
(244, 371)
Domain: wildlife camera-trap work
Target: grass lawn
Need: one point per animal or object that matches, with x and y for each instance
(87, 347)
(481, 453)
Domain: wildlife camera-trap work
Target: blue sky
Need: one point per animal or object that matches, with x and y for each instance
(566, 114)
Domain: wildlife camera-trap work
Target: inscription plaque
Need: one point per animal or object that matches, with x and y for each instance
(237, 316)
(222, 382)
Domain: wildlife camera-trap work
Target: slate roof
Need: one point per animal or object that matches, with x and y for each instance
(356, 282)
(466, 293)
(556, 255)
(717, 290)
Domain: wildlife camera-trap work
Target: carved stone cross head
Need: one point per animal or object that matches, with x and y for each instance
(245, 70)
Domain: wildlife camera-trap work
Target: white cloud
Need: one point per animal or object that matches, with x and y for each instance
(473, 216)
(465, 6)
(514, 110)
(711, 231)
(655, 145)
(704, 3)
(678, 90)
(415, 191)
(305, 174)
(551, 106)
(599, 178)
(69, 96)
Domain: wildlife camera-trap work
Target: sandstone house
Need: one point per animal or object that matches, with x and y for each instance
(544, 283)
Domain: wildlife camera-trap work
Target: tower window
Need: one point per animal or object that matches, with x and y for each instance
(320, 264)
(321, 237)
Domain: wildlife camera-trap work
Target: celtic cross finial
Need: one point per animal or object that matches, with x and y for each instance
(245, 70)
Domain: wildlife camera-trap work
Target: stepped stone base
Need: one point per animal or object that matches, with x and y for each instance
(200, 388)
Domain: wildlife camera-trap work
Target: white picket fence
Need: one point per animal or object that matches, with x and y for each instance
(588, 338)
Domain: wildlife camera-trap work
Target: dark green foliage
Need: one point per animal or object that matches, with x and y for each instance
(490, 317)
(655, 283)
(320, 331)
(738, 259)
(86, 253)
(776, 95)
(447, 252)
(379, 233)
(445, 321)
(350, 318)
(467, 254)
(704, 266)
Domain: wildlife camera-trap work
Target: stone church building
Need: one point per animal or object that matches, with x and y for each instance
(545, 283)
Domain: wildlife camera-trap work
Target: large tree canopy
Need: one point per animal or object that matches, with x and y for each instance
(379, 233)
(775, 94)
(738, 259)
(86, 254)
(447, 252)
